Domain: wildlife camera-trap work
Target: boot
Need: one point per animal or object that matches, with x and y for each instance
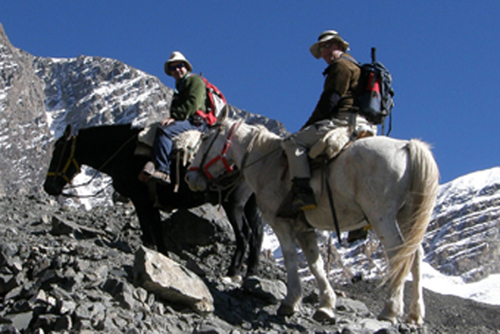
(161, 177)
(147, 170)
(301, 197)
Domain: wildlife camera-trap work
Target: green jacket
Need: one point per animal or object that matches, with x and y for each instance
(341, 82)
(190, 97)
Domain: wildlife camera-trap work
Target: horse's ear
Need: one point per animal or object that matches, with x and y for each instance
(223, 114)
(67, 132)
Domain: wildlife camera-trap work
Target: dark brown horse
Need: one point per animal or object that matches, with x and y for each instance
(110, 149)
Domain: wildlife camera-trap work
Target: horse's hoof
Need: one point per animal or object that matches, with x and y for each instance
(285, 310)
(388, 314)
(323, 314)
(385, 317)
(236, 279)
(415, 320)
(226, 280)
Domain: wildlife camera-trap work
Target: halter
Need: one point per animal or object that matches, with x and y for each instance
(71, 161)
(221, 157)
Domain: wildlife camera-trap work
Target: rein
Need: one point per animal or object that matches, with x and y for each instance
(72, 160)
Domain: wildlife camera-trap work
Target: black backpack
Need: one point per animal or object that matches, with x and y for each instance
(374, 98)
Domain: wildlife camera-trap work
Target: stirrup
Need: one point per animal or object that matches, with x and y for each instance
(285, 208)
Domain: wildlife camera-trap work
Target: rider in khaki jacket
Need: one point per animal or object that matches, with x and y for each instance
(334, 111)
(342, 77)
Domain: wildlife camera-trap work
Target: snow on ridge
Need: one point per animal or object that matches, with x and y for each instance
(467, 190)
(124, 89)
(477, 180)
(61, 60)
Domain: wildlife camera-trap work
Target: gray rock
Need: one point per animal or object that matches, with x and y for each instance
(171, 281)
(65, 227)
(20, 321)
(271, 290)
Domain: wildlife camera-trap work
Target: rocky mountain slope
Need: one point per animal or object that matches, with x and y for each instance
(39, 96)
(463, 238)
(67, 270)
(24, 133)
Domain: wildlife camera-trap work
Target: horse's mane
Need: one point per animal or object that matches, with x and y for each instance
(99, 127)
(110, 130)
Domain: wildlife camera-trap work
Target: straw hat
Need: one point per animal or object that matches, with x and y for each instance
(174, 57)
(324, 37)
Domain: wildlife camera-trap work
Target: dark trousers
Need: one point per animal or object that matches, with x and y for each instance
(162, 147)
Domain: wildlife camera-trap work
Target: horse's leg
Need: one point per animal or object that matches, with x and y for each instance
(309, 245)
(256, 224)
(393, 307)
(150, 221)
(390, 236)
(234, 212)
(417, 307)
(283, 230)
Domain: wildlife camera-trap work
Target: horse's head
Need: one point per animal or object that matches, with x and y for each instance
(63, 166)
(212, 159)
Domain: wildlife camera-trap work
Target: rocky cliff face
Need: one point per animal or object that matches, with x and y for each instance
(24, 131)
(463, 238)
(90, 91)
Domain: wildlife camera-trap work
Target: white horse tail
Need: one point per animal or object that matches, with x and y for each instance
(415, 215)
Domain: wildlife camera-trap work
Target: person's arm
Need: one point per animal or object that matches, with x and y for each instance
(336, 86)
(325, 107)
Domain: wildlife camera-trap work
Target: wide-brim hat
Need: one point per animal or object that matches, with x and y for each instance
(324, 37)
(175, 57)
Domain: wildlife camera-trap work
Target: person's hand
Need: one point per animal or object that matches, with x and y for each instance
(167, 121)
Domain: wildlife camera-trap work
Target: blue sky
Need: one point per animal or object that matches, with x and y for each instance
(444, 56)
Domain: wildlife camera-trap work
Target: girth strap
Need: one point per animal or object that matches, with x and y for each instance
(332, 207)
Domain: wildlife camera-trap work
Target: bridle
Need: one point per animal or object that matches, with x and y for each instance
(71, 161)
(221, 157)
(230, 170)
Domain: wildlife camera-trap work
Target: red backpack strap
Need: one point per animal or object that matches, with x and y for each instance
(209, 116)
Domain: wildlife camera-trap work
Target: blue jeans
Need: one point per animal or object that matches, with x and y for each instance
(162, 147)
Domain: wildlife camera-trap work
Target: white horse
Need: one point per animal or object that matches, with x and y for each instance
(388, 183)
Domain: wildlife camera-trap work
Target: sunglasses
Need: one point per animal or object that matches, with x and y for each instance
(175, 67)
(325, 46)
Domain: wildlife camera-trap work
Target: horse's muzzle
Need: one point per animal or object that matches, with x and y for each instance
(52, 187)
(196, 181)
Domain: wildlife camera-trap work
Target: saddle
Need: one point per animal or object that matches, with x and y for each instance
(184, 149)
(336, 140)
(185, 144)
(330, 146)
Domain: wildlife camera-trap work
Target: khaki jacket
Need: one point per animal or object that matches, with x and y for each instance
(341, 82)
